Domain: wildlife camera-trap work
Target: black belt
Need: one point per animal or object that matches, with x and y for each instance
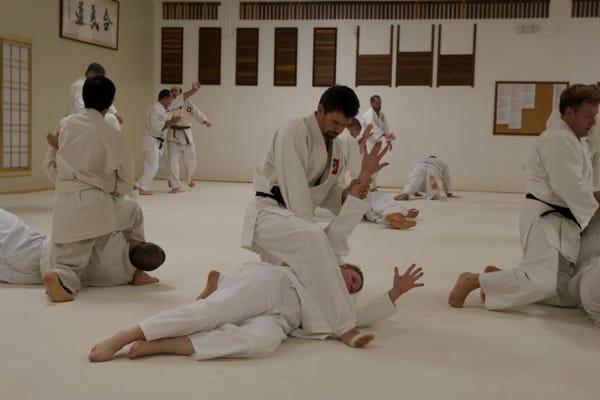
(275, 195)
(160, 141)
(180, 128)
(564, 211)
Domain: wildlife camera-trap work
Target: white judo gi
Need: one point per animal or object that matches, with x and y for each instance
(152, 143)
(306, 173)
(92, 169)
(380, 127)
(560, 174)
(76, 105)
(593, 141)
(181, 140)
(423, 169)
(25, 253)
(256, 308)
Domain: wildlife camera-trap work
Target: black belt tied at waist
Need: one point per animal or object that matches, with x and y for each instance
(275, 195)
(180, 128)
(160, 141)
(564, 211)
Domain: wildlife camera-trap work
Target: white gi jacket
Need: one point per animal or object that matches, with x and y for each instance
(299, 164)
(76, 104)
(187, 111)
(156, 117)
(351, 158)
(437, 166)
(91, 166)
(379, 123)
(560, 173)
(314, 324)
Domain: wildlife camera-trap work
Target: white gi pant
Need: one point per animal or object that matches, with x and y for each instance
(419, 181)
(152, 155)
(176, 152)
(380, 205)
(305, 248)
(72, 261)
(585, 285)
(249, 315)
(542, 275)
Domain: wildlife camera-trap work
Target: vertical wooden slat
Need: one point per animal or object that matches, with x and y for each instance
(171, 55)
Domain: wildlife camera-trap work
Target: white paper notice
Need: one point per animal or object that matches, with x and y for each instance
(503, 103)
(558, 89)
(528, 96)
(516, 107)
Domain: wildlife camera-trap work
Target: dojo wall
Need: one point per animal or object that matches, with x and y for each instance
(453, 122)
(57, 62)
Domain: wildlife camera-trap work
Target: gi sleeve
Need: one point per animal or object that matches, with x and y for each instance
(377, 309)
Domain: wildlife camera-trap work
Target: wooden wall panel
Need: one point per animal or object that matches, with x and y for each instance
(414, 68)
(171, 56)
(324, 56)
(286, 56)
(188, 10)
(209, 56)
(374, 69)
(456, 69)
(246, 57)
(585, 8)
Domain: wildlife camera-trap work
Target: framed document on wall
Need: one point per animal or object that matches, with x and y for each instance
(94, 22)
(522, 108)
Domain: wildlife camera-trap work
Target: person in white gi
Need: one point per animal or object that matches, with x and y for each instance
(429, 175)
(181, 139)
(559, 204)
(298, 174)
(383, 208)
(118, 259)
(93, 170)
(380, 131)
(158, 120)
(76, 106)
(249, 313)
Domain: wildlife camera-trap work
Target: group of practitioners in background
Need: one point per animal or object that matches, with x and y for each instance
(302, 286)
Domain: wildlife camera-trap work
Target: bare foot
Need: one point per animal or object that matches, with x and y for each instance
(142, 278)
(143, 192)
(402, 197)
(211, 284)
(488, 269)
(355, 338)
(399, 221)
(55, 290)
(105, 350)
(192, 184)
(174, 190)
(417, 194)
(465, 284)
(139, 349)
(412, 213)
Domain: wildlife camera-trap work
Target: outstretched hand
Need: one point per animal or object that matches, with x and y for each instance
(196, 85)
(407, 281)
(371, 160)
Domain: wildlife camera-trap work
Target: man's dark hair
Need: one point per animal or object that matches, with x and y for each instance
(356, 124)
(575, 95)
(98, 93)
(340, 98)
(358, 271)
(96, 69)
(375, 96)
(164, 93)
(147, 256)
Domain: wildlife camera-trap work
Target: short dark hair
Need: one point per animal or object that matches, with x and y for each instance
(356, 124)
(575, 95)
(163, 93)
(96, 69)
(356, 269)
(375, 96)
(98, 93)
(147, 256)
(340, 98)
